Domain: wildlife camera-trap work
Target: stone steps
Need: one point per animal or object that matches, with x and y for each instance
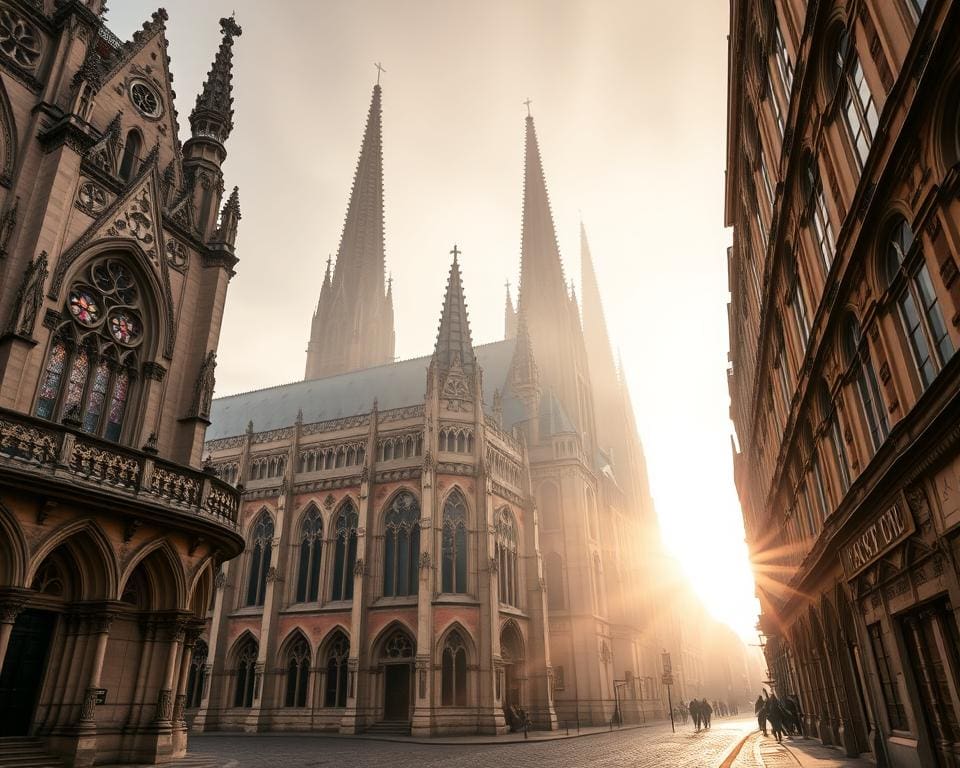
(389, 728)
(22, 752)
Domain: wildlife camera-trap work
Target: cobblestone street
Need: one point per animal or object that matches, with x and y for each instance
(652, 746)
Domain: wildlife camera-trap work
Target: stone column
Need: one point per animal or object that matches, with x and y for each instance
(492, 719)
(217, 646)
(180, 700)
(164, 712)
(9, 610)
(423, 680)
(101, 630)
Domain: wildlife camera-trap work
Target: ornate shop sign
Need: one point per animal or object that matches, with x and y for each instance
(876, 538)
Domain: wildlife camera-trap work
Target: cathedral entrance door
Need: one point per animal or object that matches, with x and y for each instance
(23, 669)
(396, 692)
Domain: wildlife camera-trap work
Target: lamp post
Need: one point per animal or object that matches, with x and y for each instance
(668, 681)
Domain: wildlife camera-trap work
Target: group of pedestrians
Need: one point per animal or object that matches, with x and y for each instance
(783, 715)
(701, 712)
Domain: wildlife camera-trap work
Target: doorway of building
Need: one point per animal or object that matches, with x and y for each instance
(396, 692)
(23, 668)
(511, 651)
(931, 637)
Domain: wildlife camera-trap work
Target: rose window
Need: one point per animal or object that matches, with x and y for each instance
(18, 40)
(93, 359)
(145, 99)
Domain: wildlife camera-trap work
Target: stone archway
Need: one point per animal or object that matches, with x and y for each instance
(396, 658)
(514, 670)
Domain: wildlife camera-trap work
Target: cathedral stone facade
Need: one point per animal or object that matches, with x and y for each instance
(114, 266)
(436, 544)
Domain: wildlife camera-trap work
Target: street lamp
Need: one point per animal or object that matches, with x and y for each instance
(668, 681)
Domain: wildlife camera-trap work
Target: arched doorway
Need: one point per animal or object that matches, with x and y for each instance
(396, 657)
(511, 652)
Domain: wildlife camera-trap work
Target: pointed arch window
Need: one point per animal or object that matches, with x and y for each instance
(131, 154)
(921, 318)
(864, 377)
(298, 674)
(453, 567)
(453, 672)
(95, 353)
(335, 688)
(507, 558)
(345, 553)
(261, 550)
(245, 674)
(198, 674)
(401, 536)
(308, 569)
(859, 109)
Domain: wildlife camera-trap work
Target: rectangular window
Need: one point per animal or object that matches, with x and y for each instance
(800, 313)
(931, 309)
(839, 454)
(784, 67)
(823, 229)
(896, 714)
(821, 497)
(775, 103)
(918, 340)
(872, 404)
(765, 174)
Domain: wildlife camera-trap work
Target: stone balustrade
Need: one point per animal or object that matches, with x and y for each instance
(55, 452)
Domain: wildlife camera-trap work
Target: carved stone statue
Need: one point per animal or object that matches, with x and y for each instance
(29, 297)
(7, 223)
(203, 391)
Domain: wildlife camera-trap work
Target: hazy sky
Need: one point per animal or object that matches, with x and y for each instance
(629, 98)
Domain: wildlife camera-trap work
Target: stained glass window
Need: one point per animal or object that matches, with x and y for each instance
(117, 405)
(125, 328)
(50, 387)
(76, 384)
(84, 306)
(98, 392)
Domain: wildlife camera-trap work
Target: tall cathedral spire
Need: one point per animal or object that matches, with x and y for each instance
(357, 331)
(595, 333)
(213, 113)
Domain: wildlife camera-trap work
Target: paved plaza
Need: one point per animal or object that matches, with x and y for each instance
(651, 746)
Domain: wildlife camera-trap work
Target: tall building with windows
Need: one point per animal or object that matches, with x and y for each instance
(116, 250)
(435, 544)
(843, 173)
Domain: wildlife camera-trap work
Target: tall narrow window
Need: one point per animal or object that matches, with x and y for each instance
(261, 550)
(95, 351)
(920, 316)
(896, 714)
(507, 558)
(197, 676)
(308, 570)
(245, 674)
(335, 689)
(859, 108)
(453, 672)
(298, 674)
(453, 566)
(556, 597)
(784, 65)
(131, 155)
(865, 381)
(345, 553)
(401, 546)
(798, 305)
(599, 600)
(818, 214)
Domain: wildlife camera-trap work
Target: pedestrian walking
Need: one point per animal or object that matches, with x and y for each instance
(707, 713)
(775, 716)
(695, 713)
(760, 709)
(791, 704)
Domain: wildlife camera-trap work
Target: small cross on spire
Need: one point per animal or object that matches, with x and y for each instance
(527, 104)
(380, 71)
(455, 252)
(329, 260)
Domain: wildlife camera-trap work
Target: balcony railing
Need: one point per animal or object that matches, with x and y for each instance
(57, 452)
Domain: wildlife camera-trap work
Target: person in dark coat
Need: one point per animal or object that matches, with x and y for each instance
(707, 712)
(775, 716)
(760, 708)
(695, 713)
(791, 706)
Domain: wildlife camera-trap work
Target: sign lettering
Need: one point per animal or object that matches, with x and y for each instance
(875, 539)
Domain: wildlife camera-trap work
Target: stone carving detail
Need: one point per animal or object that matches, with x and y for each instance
(492, 566)
(273, 574)
(220, 581)
(329, 501)
(164, 704)
(176, 254)
(91, 197)
(175, 486)
(7, 224)
(89, 703)
(106, 466)
(29, 297)
(19, 41)
(358, 567)
(137, 222)
(23, 442)
(203, 389)
(178, 708)
(426, 562)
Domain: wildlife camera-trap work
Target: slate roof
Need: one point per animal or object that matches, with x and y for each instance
(394, 385)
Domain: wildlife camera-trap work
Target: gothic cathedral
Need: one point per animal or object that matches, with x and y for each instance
(444, 544)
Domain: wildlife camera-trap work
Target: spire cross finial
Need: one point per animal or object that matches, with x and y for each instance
(455, 252)
(507, 285)
(329, 261)
(380, 71)
(527, 104)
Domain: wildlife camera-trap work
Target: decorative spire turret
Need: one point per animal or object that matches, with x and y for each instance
(229, 218)
(454, 347)
(212, 116)
(509, 316)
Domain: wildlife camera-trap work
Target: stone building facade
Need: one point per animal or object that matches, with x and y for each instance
(114, 266)
(432, 542)
(842, 191)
